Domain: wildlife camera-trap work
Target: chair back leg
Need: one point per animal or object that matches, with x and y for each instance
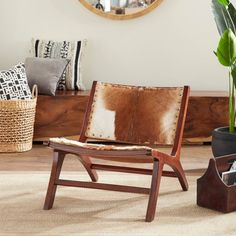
(86, 162)
(154, 190)
(58, 158)
(178, 169)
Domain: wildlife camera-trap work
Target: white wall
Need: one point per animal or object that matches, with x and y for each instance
(172, 45)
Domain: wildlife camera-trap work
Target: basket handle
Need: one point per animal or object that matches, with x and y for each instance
(35, 91)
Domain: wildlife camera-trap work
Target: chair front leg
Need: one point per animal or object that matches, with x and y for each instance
(154, 190)
(58, 158)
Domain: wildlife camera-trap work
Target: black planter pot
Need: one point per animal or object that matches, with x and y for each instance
(223, 142)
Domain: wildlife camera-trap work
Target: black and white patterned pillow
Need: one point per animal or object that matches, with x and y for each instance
(72, 50)
(13, 84)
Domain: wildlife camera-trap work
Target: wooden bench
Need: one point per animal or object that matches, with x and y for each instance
(62, 115)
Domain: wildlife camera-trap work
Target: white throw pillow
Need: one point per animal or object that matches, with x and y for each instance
(14, 84)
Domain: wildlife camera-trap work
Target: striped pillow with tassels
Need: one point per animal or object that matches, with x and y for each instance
(72, 50)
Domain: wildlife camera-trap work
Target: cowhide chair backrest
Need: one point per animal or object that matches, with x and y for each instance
(130, 114)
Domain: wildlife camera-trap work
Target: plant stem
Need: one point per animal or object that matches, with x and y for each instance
(231, 103)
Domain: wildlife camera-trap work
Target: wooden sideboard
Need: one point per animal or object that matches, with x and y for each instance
(207, 110)
(62, 115)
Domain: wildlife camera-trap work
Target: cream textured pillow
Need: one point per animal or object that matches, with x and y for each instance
(72, 50)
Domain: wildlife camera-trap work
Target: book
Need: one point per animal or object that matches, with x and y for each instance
(229, 177)
(233, 167)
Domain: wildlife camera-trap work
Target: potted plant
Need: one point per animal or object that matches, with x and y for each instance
(224, 138)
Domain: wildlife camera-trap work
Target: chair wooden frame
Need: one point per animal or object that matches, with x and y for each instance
(157, 158)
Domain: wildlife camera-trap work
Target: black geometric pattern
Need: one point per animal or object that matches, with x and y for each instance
(71, 78)
(13, 84)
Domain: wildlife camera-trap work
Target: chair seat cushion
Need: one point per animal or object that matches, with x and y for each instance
(98, 146)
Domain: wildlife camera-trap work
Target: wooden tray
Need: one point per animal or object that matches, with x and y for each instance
(212, 192)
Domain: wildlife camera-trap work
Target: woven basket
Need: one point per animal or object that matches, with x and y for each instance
(17, 123)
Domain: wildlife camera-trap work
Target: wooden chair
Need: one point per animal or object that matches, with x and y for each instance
(131, 115)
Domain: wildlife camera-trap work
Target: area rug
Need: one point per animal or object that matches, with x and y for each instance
(80, 211)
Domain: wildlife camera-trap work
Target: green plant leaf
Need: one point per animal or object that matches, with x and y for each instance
(226, 51)
(232, 13)
(224, 18)
(223, 2)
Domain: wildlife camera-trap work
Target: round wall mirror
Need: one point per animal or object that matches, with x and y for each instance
(121, 9)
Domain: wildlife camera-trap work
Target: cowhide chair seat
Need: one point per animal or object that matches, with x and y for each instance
(98, 146)
(138, 120)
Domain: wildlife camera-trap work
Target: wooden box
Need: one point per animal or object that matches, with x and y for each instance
(212, 192)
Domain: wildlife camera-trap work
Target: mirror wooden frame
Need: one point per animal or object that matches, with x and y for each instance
(155, 4)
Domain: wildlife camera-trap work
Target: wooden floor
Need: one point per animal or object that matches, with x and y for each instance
(194, 158)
